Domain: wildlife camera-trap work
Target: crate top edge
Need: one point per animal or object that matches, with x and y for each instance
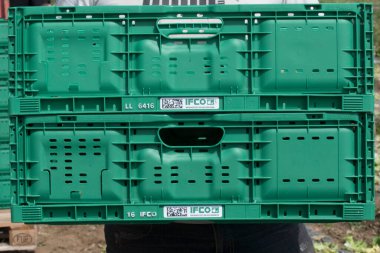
(25, 11)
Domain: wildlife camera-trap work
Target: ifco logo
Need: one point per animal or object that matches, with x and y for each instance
(204, 210)
(200, 101)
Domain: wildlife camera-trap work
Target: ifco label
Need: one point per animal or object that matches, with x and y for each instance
(190, 103)
(193, 211)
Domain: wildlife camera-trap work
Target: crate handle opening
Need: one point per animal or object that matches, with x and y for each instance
(191, 136)
(67, 9)
(189, 28)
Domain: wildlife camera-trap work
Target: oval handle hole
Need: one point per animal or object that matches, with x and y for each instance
(191, 136)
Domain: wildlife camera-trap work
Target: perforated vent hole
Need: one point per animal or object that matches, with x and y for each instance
(67, 140)
(83, 154)
(191, 181)
(83, 181)
(174, 181)
(301, 180)
(174, 167)
(157, 167)
(225, 167)
(330, 137)
(315, 180)
(330, 180)
(208, 167)
(286, 180)
(157, 182)
(225, 174)
(301, 138)
(53, 140)
(68, 147)
(208, 174)
(286, 138)
(225, 181)
(208, 181)
(174, 174)
(68, 182)
(157, 175)
(315, 137)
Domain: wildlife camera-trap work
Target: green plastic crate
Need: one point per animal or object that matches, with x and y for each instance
(143, 59)
(167, 167)
(4, 118)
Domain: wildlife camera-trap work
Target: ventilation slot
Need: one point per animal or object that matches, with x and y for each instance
(353, 103)
(29, 105)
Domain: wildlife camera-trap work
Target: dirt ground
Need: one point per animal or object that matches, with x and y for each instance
(70, 239)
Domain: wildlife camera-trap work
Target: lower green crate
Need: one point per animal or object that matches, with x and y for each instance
(250, 167)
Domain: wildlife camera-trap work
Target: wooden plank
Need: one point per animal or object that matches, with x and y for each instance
(5, 220)
(17, 234)
(7, 247)
(23, 237)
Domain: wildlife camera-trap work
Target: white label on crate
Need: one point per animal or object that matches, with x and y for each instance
(178, 212)
(190, 103)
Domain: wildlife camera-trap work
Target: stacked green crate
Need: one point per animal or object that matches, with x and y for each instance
(225, 113)
(4, 118)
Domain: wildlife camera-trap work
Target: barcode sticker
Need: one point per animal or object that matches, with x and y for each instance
(193, 211)
(190, 103)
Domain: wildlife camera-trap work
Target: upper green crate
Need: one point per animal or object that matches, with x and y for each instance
(245, 50)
